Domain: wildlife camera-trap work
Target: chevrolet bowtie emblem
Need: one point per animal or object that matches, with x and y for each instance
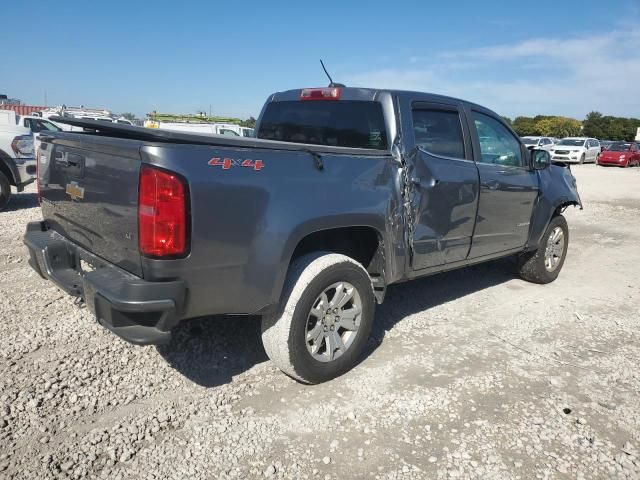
(75, 191)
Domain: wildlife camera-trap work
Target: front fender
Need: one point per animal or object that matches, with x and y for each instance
(557, 190)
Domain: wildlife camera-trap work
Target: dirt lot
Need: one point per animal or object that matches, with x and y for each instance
(472, 374)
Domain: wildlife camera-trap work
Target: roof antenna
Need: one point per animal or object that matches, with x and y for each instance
(331, 84)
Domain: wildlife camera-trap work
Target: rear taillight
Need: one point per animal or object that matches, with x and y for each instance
(331, 93)
(162, 213)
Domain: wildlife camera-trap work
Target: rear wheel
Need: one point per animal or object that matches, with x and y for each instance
(5, 191)
(325, 320)
(544, 265)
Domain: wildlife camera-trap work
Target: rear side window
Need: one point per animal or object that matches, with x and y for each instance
(341, 123)
(439, 132)
(497, 144)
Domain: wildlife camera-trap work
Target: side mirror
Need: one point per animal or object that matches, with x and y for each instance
(540, 159)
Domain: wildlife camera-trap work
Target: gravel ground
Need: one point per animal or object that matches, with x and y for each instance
(471, 374)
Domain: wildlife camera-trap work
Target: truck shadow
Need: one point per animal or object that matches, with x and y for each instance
(419, 295)
(211, 350)
(18, 201)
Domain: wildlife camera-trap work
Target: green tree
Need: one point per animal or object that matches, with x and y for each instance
(594, 125)
(129, 116)
(524, 126)
(609, 127)
(249, 122)
(559, 127)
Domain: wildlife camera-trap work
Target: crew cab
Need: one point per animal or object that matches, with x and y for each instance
(344, 192)
(17, 163)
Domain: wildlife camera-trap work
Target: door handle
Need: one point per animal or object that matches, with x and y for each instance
(429, 184)
(492, 184)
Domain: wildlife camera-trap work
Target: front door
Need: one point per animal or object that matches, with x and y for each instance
(443, 185)
(508, 187)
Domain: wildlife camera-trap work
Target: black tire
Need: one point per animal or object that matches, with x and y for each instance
(582, 159)
(284, 334)
(5, 191)
(531, 266)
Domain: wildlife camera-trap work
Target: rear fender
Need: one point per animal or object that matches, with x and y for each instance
(557, 191)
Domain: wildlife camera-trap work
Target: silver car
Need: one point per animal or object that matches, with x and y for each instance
(546, 143)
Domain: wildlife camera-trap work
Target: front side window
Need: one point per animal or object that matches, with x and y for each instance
(497, 144)
(439, 132)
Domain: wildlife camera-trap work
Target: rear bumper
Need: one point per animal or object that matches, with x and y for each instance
(136, 310)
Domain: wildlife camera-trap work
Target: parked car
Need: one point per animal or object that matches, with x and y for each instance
(546, 143)
(17, 163)
(622, 154)
(229, 129)
(576, 150)
(123, 120)
(344, 192)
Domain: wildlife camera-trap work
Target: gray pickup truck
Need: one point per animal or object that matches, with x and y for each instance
(343, 192)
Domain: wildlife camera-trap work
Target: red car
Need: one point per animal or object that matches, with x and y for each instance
(622, 154)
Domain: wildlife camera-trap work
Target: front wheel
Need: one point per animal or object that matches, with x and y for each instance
(5, 191)
(582, 159)
(544, 265)
(324, 320)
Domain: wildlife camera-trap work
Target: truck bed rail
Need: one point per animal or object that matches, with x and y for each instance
(167, 136)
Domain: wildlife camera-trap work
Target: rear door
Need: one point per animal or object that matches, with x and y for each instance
(89, 187)
(508, 187)
(443, 184)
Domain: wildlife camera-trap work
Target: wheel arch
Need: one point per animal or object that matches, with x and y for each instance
(362, 242)
(8, 168)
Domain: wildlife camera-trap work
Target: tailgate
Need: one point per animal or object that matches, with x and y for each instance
(89, 188)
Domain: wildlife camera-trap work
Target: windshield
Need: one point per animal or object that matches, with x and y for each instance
(341, 123)
(620, 147)
(572, 142)
(529, 141)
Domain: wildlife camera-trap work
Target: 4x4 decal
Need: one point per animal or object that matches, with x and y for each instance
(227, 163)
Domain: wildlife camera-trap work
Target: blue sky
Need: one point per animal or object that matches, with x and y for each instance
(545, 57)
